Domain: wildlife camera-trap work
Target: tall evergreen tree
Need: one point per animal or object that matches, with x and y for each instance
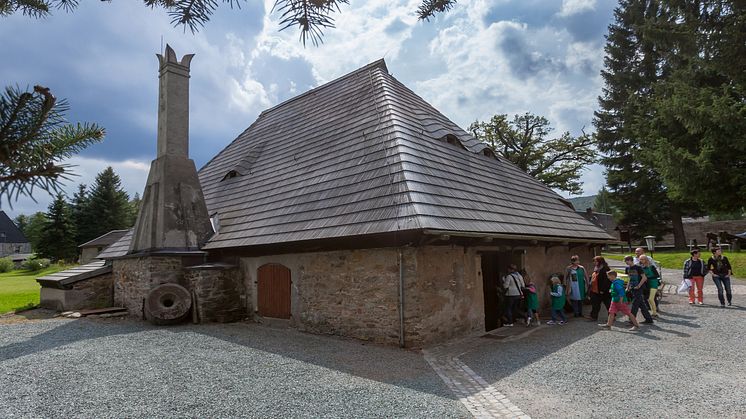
(108, 206)
(134, 208)
(81, 214)
(57, 241)
(21, 221)
(632, 65)
(33, 229)
(602, 203)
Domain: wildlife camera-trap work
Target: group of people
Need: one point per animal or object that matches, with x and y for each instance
(604, 286)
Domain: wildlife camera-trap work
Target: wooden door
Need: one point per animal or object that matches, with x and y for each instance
(273, 291)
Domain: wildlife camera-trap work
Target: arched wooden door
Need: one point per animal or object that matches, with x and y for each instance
(273, 291)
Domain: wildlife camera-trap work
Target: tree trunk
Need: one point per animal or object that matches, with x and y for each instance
(679, 238)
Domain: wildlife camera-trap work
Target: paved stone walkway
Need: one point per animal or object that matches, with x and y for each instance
(482, 399)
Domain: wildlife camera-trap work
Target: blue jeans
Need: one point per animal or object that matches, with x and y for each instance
(720, 281)
(558, 313)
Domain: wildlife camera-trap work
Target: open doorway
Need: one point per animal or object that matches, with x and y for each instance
(494, 267)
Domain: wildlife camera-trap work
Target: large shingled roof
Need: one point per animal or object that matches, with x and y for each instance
(363, 154)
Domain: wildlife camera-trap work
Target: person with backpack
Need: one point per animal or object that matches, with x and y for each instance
(637, 280)
(513, 285)
(617, 303)
(653, 282)
(695, 271)
(577, 283)
(721, 272)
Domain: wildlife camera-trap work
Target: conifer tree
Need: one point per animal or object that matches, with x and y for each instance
(81, 215)
(602, 203)
(57, 240)
(108, 205)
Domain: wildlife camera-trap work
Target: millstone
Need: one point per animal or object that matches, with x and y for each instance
(168, 304)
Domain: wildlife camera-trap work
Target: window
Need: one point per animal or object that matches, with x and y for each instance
(230, 175)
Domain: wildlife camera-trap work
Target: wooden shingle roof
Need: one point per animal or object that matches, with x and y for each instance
(9, 232)
(363, 154)
(105, 239)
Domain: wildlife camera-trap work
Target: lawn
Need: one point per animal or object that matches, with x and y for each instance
(19, 289)
(675, 260)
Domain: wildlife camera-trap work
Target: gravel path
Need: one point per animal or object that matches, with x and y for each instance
(689, 364)
(121, 368)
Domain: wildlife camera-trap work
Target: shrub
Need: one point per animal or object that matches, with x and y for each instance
(35, 264)
(6, 265)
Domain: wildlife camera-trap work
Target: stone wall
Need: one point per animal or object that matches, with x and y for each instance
(540, 262)
(96, 292)
(135, 277)
(444, 299)
(219, 292)
(355, 293)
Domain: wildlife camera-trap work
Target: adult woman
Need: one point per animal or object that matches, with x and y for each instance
(600, 288)
(577, 284)
(653, 282)
(695, 270)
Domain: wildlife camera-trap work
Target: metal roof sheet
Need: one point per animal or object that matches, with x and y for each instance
(364, 154)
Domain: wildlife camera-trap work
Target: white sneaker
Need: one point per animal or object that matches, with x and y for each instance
(700, 303)
(508, 324)
(551, 322)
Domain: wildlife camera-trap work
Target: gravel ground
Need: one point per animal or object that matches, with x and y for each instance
(121, 368)
(689, 364)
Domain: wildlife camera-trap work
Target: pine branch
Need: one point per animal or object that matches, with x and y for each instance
(429, 8)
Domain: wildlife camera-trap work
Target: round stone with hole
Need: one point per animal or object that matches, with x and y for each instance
(168, 304)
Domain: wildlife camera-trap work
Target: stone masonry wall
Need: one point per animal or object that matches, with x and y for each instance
(541, 262)
(355, 293)
(444, 300)
(219, 291)
(350, 293)
(97, 292)
(135, 277)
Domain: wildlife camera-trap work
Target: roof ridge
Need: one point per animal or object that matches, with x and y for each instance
(378, 63)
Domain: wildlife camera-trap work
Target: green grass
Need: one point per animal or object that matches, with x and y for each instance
(19, 289)
(675, 260)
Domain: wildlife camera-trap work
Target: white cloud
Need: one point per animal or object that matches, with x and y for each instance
(573, 7)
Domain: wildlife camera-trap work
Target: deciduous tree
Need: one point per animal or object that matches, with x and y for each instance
(525, 140)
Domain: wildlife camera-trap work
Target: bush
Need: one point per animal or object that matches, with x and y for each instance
(35, 264)
(6, 265)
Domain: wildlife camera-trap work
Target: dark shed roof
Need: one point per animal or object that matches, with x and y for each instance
(363, 154)
(12, 233)
(118, 248)
(105, 239)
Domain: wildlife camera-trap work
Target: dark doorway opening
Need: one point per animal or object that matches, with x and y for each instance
(494, 267)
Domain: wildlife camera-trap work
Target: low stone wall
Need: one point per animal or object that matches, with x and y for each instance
(219, 293)
(135, 277)
(96, 292)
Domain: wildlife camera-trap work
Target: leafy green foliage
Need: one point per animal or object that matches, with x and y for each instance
(33, 228)
(35, 264)
(57, 240)
(6, 265)
(557, 162)
(34, 138)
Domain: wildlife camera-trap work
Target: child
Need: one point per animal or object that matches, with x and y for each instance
(617, 302)
(532, 301)
(558, 301)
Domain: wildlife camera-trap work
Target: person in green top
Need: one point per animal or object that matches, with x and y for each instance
(558, 301)
(532, 301)
(576, 284)
(654, 279)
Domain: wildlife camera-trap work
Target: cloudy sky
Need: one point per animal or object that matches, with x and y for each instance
(481, 58)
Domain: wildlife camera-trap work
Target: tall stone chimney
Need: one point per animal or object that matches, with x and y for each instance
(173, 215)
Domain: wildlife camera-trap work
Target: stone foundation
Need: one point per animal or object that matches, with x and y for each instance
(219, 293)
(355, 293)
(134, 278)
(96, 292)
